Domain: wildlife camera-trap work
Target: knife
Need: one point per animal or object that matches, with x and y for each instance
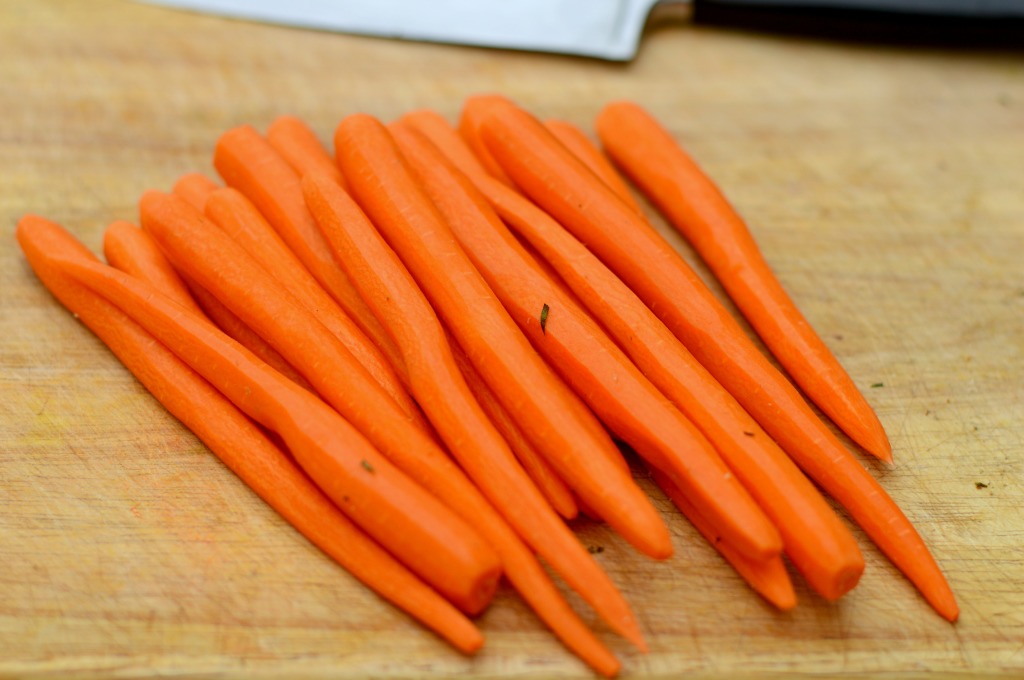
(612, 29)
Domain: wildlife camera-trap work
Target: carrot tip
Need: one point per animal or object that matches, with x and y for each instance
(881, 450)
(782, 595)
(470, 642)
(946, 607)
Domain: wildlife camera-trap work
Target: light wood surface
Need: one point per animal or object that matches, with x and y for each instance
(885, 185)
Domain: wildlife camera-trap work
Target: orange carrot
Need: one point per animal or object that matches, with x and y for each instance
(576, 347)
(540, 402)
(559, 183)
(241, 221)
(237, 330)
(820, 546)
(217, 263)
(554, 489)
(697, 208)
(446, 138)
(248, 163)
(767, 577)
(195, 187)
(399, 514)
(401, 305)
(409, 448)
(202, 252)
(132, 250)
(247, 451)
(576, 140)
(301, 148)
(469, 129)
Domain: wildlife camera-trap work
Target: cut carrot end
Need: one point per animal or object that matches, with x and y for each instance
(844, 581)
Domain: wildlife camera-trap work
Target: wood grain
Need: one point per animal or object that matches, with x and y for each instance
(884, 185)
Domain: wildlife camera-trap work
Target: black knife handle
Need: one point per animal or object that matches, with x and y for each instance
(970, 23)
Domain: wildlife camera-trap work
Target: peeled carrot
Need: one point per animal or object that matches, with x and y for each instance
(243, 447)
(301, 148)
(241, 221)
(446, 138)
(217, 263)
(411, 450)
(560, 184)
(400, 515)
(576, 140)
(576, 347)
(469, 129)
(389, 288)
(250, 164)
(237, 330)
(132, 250)
(195, 187)
(201, 251)
(554, 489)
(819, 544)
(767, 577)
(697, 208)
(540, 402)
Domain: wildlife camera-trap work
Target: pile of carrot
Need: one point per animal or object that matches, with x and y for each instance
(429, 347)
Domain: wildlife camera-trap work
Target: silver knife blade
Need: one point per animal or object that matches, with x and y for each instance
(605, 29)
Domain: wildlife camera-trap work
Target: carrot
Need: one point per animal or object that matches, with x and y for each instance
(195, 187)
(237, 330)
(554, 489)
(246, 450)
(586, 358)
(542, 404)
(430, 466)
(767, 577)
(406, 520)
(241, 221)
(300, 147)
(658, 275)
(819, 544)
(469, 129)
(248, 163)
(446, 138)
(133, 251)
(576, 140)
(217, 263)
(697, 208)
(401, 305)
(209, 257)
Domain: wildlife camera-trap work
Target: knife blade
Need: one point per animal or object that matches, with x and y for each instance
(603, 29)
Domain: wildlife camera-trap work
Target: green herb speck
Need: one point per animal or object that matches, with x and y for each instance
(544, 318)
(366, 465)
(877, 384)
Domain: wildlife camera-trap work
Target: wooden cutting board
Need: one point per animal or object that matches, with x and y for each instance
(884, 185)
